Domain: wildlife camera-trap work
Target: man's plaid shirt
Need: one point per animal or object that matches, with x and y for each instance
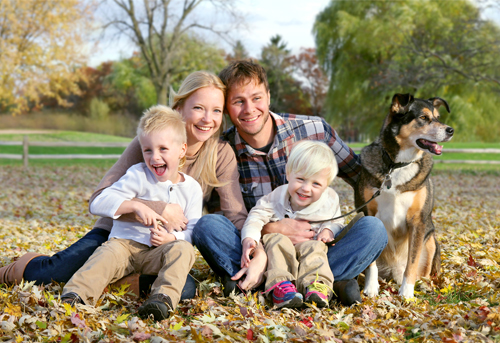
(260, 173)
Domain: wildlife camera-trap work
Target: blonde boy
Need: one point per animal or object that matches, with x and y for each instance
(310, 169)
(145, 248)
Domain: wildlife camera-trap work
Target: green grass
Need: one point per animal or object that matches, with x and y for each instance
(64, 136)
(102, 163)
(17, 149)
(450, 145)
(77, 136)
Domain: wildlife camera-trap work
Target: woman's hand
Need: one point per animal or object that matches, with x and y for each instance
(160, 236)
(174, 214)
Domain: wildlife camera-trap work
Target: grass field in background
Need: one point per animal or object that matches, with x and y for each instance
(76, 136)
(63, 136)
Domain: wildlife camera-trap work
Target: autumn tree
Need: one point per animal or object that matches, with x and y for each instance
(157, 28)
(373, 49)
(314, 81)
(41, 43)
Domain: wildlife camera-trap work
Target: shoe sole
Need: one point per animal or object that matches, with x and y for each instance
(155, 310)
(292, 303)
(320, 302)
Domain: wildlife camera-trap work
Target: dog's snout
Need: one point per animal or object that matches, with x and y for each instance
(450, 131)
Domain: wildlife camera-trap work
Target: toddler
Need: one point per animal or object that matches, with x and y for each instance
(303, 268)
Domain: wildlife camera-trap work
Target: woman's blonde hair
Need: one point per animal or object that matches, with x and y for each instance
(161, 117)
(204, 167)
(311, 157)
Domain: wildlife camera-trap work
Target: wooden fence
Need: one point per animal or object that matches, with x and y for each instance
(26, 156)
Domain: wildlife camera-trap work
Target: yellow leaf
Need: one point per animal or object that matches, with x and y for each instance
(68, 309)
(13, 310)
(121, 318)
(176, 326)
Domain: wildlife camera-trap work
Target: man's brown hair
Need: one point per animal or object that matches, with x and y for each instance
(241, 72)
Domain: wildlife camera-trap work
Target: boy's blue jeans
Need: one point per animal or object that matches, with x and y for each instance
(60, 267)
(219, 242)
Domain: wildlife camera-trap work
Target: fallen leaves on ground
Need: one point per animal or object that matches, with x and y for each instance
(44, 209)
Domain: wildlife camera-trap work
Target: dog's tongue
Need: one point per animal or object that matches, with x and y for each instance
(433, 147)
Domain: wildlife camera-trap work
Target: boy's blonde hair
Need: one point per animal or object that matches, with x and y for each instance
(311, 157)
(204, 167)
(161, 117)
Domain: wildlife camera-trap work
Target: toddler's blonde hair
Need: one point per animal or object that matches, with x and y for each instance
(161, 117)
(311, 157)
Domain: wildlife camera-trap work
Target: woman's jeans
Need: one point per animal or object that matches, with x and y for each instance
(60, 267)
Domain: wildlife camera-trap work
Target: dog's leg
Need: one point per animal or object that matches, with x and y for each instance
(427, 258)
(371, 280)
(416, 229)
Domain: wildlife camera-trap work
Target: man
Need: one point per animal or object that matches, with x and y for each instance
(262, 141)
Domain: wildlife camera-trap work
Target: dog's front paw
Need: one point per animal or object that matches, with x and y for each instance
(406, 290)
(371, 281)
(371, 289)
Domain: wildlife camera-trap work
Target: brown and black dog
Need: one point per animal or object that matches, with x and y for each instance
(399, 163)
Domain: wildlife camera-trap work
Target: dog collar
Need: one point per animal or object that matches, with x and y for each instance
(393, 165)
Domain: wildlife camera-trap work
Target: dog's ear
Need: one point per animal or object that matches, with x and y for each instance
(401, 103)
(438, 102)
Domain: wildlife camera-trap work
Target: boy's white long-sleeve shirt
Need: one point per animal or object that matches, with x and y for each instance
(275, 206)
(139, 182)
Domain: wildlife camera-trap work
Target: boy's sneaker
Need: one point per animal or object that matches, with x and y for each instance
(317, 292)
(71, 298)
(285, 295)
(158, 305)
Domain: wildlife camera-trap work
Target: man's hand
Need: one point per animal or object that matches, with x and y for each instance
(297, 230)
(174, 214)
(325, 236)
(160, 236)
(249, 246)
(254, 272)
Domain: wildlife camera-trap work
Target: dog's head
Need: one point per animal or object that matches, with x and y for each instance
(415, 123)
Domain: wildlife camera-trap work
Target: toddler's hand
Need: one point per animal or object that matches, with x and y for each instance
(160, 236)
(325, 236)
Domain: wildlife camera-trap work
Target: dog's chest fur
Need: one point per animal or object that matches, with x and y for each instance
(392, 204)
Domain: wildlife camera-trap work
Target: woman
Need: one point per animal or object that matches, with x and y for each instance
(200, 100)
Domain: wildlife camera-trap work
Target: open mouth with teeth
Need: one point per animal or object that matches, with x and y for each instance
(302, 196)
(160, 169)
(433, 147)
(203, 128)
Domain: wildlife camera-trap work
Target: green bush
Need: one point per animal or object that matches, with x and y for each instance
(98, 109)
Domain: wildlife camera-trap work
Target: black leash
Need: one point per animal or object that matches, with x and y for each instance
(376, 194)
(387, 180)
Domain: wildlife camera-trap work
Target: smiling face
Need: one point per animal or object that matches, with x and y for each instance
(248, 108)
(202, 111)
(162, 151)
(305, 191)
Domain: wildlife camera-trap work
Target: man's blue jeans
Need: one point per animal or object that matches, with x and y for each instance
(219, 242)
(60, 267)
